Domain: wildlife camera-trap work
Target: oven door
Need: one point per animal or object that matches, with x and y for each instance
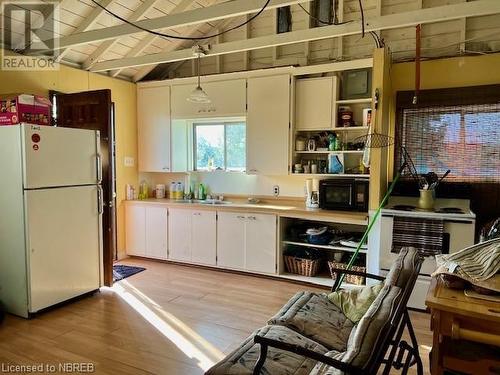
(387, 258)
(337, 196)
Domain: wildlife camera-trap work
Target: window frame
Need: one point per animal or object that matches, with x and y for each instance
(225, 122)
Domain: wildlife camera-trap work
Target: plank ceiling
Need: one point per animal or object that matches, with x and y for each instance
(482, 35)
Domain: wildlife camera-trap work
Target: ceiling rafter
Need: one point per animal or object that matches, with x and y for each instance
(87, 23)
(148, 39)
(148, 68)
(107, 44)
(215, 12)
(390, 21)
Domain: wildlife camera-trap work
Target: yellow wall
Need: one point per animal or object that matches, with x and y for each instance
(442, 73)
(123, 94)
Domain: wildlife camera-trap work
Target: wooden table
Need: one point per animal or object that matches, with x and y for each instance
(466, 332)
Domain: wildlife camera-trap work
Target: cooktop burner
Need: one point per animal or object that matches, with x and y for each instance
(404, 207)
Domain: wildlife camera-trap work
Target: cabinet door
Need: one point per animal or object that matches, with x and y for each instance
(179, 234)
(156, 232)
(268, 120)
(227, 98)
(204, 237)
(153, 121)
(314, 103)
(135, 230)
(260, 243)
(231, 240)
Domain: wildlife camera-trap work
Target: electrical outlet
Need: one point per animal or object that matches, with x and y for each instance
(129, 161)
(276, 190)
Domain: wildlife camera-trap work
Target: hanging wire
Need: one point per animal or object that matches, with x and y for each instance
(163, 35)
(378, 42)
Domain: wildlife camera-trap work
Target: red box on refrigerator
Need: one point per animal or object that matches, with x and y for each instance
(32, 109)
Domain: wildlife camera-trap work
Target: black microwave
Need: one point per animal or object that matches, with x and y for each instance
(344, 194)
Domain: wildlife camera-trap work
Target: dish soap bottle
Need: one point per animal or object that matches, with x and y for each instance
(202, 192)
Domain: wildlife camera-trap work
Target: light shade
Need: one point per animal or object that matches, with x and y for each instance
(198, 96)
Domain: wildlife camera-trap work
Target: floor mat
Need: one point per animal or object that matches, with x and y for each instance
(121, 272)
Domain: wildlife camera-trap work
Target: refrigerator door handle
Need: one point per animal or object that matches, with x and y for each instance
(99, 168)
(100, 200)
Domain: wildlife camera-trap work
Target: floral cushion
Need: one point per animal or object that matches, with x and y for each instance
(278, 362)
(316, 317)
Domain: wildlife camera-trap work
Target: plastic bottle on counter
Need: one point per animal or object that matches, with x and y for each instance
(202, 192)
(179, 190)
(171, 192)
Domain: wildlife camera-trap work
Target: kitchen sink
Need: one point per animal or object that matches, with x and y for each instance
(207, 202)
(214, 202)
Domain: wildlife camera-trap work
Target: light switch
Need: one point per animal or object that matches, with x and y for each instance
(129, 161)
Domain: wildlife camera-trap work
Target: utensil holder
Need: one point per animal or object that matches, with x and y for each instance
(426, 201)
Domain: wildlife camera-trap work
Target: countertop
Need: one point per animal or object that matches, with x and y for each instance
(281, 207)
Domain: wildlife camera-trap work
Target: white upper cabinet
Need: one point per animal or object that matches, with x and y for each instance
(315, 102)
(268, 121)
(228, 98)
(153, 121)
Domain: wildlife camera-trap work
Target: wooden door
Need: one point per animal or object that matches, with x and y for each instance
(268, 121)
(260, 243)
(204, 237)
(231, 240)
(179, 234)
(135, 230)
(94, 110)
(153, 120)
(156, 232)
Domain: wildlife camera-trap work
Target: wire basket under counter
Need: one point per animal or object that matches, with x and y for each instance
(302, 266)
(351, 279)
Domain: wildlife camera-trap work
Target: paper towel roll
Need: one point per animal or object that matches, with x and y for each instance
(315, 184)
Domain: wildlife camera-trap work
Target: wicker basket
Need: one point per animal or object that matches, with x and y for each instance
(301, 266)
(351, 279)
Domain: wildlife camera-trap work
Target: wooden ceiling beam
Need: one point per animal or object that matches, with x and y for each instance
(390, 21)
(107, 44)
(148, 39)
(215, 12)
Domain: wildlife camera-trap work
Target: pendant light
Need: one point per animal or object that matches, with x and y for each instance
(199, 96)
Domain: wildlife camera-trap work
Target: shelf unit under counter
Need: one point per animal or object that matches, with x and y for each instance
(329, 252)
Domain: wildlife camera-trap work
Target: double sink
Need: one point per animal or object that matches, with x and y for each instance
(207, 201)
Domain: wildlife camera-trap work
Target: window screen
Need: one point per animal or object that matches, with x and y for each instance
(284, 22)
(464, 138)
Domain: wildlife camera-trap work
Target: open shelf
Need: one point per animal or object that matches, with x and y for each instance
(354, 101)
(327, 247)
(355, 175)
(331, 152)
(350, 128)
(321, 279)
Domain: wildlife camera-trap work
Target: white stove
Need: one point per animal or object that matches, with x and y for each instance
(458, 233)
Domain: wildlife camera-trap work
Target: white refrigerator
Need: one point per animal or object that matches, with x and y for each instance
(51, 204)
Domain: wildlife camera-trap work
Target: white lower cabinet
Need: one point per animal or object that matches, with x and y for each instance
(231, 240)
(204, 237)
(193, 236)
(260, 243)
(179, 239)
(241, 241)
(146, 231)
(247, 241)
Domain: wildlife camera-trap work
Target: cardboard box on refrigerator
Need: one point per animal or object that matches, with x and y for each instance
(16, 108)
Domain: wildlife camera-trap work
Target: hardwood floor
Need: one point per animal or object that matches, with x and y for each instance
(169, 319)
